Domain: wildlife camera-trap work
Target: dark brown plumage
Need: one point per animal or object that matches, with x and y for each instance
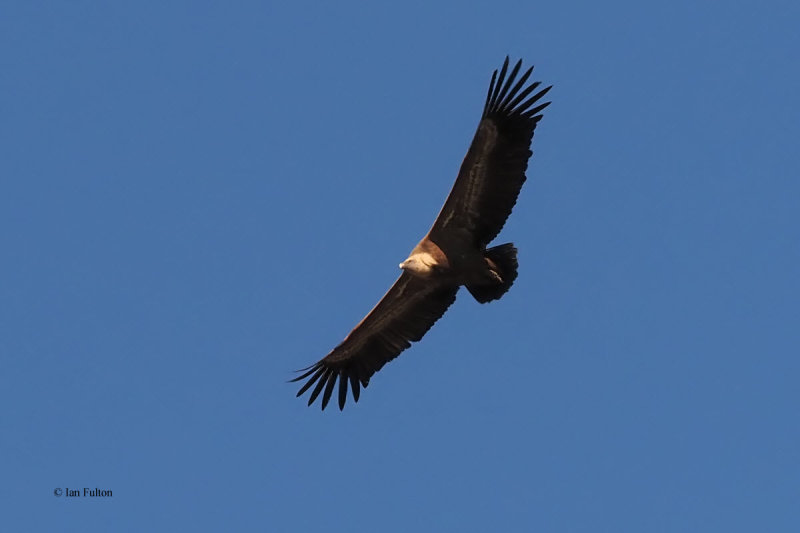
(454, 252)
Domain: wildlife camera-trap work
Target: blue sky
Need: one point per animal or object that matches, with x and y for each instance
(198, 198)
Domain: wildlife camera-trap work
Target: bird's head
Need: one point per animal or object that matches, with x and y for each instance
(419, 264)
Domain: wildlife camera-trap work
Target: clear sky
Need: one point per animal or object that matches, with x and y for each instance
(198, 198)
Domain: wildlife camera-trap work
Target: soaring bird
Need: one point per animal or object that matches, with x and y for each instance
(454, 252)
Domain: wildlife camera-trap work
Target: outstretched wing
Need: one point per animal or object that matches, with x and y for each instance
(403, 316)
(493, 170)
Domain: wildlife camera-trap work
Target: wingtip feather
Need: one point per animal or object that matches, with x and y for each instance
(310, 382)
(509, 98)
(500, 80)
(511, 77)
(319, 386)
(342, 390)
(328, 389)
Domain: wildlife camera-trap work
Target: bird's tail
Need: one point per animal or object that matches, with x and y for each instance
(501, 260)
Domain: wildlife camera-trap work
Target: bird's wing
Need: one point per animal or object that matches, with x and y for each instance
(493, 170)
(405, 313)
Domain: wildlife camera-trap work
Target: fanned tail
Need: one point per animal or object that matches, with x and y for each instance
(502, 260)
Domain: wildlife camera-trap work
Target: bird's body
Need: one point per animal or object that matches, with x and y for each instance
(462, 264)
(454, 253)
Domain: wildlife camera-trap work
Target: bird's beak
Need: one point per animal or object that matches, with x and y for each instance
(403, 264)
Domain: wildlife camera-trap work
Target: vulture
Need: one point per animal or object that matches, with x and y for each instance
(454, 252)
